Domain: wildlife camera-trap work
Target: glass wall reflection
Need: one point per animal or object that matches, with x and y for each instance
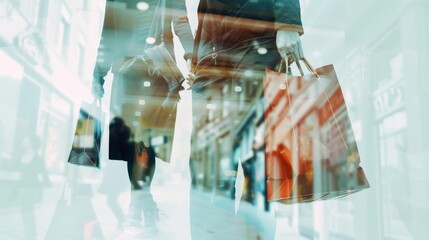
(48, 50)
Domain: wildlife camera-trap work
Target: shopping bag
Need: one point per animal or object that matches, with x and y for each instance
(311, 150)
(85, 150)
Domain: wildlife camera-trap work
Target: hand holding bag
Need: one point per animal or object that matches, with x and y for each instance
(311, 150)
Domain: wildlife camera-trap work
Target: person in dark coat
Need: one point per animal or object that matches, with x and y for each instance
(140, 172)
(234, 35)
(236, 40)
(141, 168)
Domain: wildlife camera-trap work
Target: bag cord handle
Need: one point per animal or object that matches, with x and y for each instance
(292, 58)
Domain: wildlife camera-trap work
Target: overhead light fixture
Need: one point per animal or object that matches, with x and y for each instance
(237, 89)
(142, 102)
(146, 83)
(262, 51)
(142, 6)
(248, 73)
(138, 114)
(150, 40)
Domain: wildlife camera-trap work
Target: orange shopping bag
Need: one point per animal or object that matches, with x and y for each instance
(311, 150)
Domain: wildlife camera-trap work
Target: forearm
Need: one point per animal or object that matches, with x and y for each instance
(183, 31)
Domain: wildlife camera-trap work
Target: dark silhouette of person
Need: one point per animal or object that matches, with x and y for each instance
(141, 171)
(119, 140)
(140, 168)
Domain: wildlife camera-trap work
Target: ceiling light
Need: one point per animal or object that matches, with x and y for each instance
(142, 6)
(142, 102)
(237, 89)
(262, 50)
(150, 40)
(138, 114)
(146, 84)
(248, 73)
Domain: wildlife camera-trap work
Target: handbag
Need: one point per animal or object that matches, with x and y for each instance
(311, 150)
(85, 149)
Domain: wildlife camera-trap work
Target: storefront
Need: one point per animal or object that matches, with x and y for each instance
(33, 105)
(392, 125)
(245, 152)
(211, 156)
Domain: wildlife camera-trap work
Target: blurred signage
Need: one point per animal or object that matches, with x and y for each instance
(331, 106)
(388, 99)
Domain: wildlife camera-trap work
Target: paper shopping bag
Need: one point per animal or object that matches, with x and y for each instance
(311, 150)
(86, 142)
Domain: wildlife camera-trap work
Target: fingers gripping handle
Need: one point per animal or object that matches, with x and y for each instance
(293, 59)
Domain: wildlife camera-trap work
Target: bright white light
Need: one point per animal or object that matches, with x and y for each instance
(237, 89)
(142, 6)
(262, 50)
(142, 102)
(150, 40)
(248, 73)
(138, 114)
(146, 84)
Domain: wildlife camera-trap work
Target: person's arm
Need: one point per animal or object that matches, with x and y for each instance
(183, 31)
(103, 61)
(289, 28)
(182, 28)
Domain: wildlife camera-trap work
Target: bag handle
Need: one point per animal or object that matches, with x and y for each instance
(293, 59)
